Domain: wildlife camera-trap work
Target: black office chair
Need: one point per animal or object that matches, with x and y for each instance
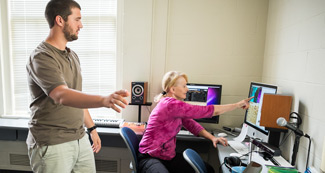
(132, 142)
(194, 159)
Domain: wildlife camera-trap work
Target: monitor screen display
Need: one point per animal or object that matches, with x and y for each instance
(204, 94)
(253, 113)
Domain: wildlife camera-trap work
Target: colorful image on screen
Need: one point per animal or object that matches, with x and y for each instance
(213, 96)
(204, 94)
(256, 93)
(253, 113)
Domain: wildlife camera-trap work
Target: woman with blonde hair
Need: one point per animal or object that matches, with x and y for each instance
(158, 144)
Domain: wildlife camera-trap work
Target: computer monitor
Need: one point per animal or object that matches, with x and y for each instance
(204, 94)
(253, 113)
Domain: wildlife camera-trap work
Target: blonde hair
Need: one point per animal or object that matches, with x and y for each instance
(168, 81)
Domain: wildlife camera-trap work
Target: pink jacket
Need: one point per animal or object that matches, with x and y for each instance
(165, 121)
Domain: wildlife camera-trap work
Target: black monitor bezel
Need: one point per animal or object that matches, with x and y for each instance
(266, 132)
(214, 119)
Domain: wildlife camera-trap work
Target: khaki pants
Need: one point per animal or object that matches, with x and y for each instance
(75, 156)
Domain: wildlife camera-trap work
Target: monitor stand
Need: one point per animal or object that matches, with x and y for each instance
(274, 137)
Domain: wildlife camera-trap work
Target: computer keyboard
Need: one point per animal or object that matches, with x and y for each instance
(276, 163)
(239, 147)
(103, 122)
(184, 132)
(281, 161)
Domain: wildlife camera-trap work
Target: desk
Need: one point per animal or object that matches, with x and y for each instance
(225, 152)
(17, 129)
(14, 133)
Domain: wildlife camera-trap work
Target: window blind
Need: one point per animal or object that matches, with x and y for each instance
(96, 48)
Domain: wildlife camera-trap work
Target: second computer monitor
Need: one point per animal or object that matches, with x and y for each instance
(253, 113)
(204, 94)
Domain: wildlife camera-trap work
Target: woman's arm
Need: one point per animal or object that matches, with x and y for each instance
(220, 109)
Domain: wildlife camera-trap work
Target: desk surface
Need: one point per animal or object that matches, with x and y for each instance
(225, 152)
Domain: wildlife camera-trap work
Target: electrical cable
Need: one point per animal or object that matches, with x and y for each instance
(256, 151)
(148, 110)
(285, 138)
(223, 163)
(221, 167)
(307, 136)
(299, 121)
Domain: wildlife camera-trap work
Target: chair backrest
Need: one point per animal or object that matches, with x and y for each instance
(194, 159)
(132, 142)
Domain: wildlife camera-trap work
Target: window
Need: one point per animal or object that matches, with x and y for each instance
(96, 48)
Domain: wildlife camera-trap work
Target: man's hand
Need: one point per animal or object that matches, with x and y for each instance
(97, 145)
(116, 99)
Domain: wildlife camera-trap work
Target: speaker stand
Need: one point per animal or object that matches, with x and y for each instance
(139, 110)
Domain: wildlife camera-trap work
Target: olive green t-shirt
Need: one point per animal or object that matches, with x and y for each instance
(52, 123)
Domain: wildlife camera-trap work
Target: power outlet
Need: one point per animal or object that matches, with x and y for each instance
(322, 166)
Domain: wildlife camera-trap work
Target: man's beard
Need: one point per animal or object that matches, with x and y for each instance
(67, 34)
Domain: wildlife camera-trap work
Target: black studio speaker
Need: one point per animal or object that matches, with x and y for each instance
(139, 92)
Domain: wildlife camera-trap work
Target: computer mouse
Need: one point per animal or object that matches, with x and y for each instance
(235, 154)
(222, 134)
(238, 155)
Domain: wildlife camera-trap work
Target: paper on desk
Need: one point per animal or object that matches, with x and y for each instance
(243, 133)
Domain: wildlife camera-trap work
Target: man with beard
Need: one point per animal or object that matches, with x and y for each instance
(56, 139)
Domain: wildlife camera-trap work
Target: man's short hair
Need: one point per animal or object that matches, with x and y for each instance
(61, 8)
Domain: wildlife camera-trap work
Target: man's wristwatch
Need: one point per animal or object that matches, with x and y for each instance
(91, 129)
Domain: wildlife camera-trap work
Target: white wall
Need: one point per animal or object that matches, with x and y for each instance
(295, 61)
(212, 41)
